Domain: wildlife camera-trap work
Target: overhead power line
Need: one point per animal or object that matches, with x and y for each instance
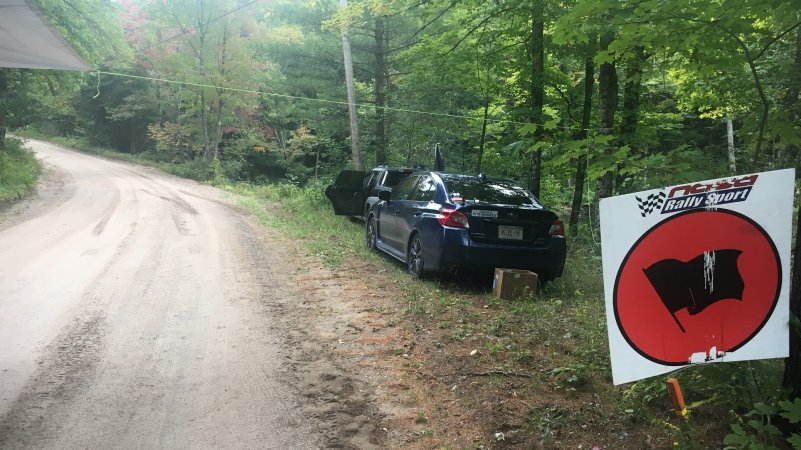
(318, 100)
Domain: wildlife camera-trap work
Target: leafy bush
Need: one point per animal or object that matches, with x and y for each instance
(198, 169)
(758, 431)
(19, 170)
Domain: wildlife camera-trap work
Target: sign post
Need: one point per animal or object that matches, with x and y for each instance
(697, 273)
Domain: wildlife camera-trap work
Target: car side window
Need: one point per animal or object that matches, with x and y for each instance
(369, 183)
(424, 191)
(404, 188)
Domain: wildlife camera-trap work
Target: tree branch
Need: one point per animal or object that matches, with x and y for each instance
(474, 29)
(773, 40)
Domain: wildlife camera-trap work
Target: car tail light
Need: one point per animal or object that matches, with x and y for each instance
(557, 228)
(452, 218)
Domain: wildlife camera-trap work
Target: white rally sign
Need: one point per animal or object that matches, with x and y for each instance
(698, 273)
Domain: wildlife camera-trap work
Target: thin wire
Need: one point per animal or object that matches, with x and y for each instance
(332, 102)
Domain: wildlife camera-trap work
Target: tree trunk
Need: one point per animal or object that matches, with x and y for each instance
(537, 92)
(316, 161)
(630, 115)
(279, 136)
(200, 52)
(3, 102)
(220, 99)
(483, 136)
(204, 122)
(730, 142)
(581, 164)
(790, 100)
(380, 93)
(607, 107)
(792, 366)
(794, 82)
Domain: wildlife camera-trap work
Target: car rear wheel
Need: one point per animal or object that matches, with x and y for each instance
(415, 257)
(371, 234)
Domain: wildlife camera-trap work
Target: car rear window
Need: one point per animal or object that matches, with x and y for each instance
(349, 178)
(394, 178)
(469, 189)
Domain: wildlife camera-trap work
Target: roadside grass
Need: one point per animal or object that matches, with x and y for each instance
(199, 169)
(19, 171)
(557, 338)
(305, 214)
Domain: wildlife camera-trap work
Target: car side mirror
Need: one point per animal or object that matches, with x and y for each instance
(384, 195)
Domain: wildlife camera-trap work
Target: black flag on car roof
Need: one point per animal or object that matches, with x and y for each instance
(706, 279)
(439, 161)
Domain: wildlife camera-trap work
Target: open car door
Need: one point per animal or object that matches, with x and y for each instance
(347, 193)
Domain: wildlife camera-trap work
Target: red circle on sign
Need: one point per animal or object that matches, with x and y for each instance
(666, 301)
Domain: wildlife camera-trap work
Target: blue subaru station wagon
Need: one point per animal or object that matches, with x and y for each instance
(443, 222)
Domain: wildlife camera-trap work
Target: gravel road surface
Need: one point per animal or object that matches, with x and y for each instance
(139, 310)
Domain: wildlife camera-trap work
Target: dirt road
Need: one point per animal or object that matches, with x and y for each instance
(138, 310)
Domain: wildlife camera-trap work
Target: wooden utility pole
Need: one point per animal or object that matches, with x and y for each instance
(351, 87)
(380, 53)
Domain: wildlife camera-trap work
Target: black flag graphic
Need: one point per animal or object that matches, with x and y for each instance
(708, 278)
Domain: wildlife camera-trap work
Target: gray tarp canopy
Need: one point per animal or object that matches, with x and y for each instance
(28, 41)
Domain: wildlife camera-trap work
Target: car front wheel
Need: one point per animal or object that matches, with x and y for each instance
(415, 258)
(371, 234)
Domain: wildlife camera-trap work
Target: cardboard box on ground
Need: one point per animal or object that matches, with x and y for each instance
(509, 284)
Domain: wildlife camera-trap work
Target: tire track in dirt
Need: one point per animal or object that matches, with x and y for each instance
(58, 380)
(334, 395)
(165, 341)
(107, 213)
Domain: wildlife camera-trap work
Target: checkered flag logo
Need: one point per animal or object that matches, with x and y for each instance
(651, 203)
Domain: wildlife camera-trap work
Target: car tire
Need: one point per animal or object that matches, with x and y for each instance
(414, 258)
(371, 234)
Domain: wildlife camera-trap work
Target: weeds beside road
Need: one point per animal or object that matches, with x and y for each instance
(19, 171)
(540, 372)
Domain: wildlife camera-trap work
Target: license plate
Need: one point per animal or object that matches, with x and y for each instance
(507, 232)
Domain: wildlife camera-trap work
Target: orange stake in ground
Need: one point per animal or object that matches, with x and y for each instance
(676, 397)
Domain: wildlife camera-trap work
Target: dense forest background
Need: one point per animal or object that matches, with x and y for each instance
(578, 99)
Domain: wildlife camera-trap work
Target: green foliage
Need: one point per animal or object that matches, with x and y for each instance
(569, 377)
(199, 169)
(755, 430)
(447, 64)
(91, 27)
(548, 421)
(19, 170)
(305, 213)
